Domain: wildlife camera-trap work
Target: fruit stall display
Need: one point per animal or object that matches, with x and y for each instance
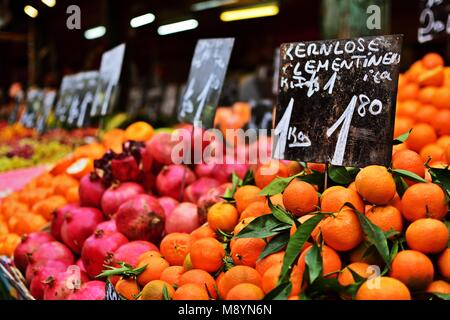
(127, 217)
(21, 147)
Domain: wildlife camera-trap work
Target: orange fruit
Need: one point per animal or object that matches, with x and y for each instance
(387, 218)
(127, 288)
(271, 276)
(9, 243)
(155, 266)
(444, 264)
(319, 167)
(426, 94)
(237, 275)
(444, 141)
(242, 224)
(427, 114)
(402, 125)
(245, 291)
(342, 232)
(61, 166)
(243, 110)
(154, 290)
(204, 231)
(113, 140)
(172, 275)
(409, 92)
(410, 161)
(207, 254)
(200, 278)
(432, 78)
(92, 150)
(255, 209)
(62, 183)
(408, 108)
(432, 60)
(267, 172)
(174, 248)
(447, 154)
(149, 254)
(264, 264)
(246, 251)
(421, 135)
(191, 291)
(424, 200)
(376, 185)
(439, 286)
(413, 268)
(246, 195)
(396, 202)
(413, 73)
(46, 207)
(441, 121)
(331, 189)
(72, 195)
(223, 216)
(3, 228)
(333, 201)
(80, 168)
(331, 261)
(139, 131)
(345, 277)
(441, 98)
(432, 151)
(427, 236)
(300, 198)
(30, 197)
(383, 288)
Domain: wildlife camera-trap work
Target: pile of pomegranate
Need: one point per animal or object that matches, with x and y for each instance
(127, 204)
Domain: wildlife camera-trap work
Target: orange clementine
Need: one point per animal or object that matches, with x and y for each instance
(387, 218)
(92, 150)
(246, 195)
(444, 141)
(433, 78)
(191, 291)
(200, 278)
(441, 121)
(376, 185)
(271, 276)
(72, 195)
(427, 114)
(444, 264)
(427, 236)
(432, 60)
(264, 264)
(402, 125)
(245, 291)
(300, 198)
(207, 254)
(333, 201)
(424, 200)
(62, 183)
(174, 248)
(223, 216)
(421, 135)
(154, 290)
(267, 172)
(237, 275)
(331, 262)
(426, 94)
(413, 268)
(408, 108)
(204, 231)
(441, 98)
(149, 254)
(342, 232)
(383, 288)
(127, 288)
(246, 251)
(439, 286)
(46, 207)
(255, 209)
(432, 151)
(409, 92)
(410, 161)
(172, 275)
(139, 131)
(155, 266)
(345, 277)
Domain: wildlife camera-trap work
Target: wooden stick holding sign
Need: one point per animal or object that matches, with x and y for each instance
(207, 74)
(337, 100)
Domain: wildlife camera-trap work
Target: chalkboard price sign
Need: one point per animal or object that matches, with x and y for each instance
(48, 99)
(434, 20)
(33, 107)
(65, 97)
(110, 71)
(336, 101)
(208, 69)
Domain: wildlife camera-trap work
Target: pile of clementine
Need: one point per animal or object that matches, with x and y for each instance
(424, 106)
(31, 208)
